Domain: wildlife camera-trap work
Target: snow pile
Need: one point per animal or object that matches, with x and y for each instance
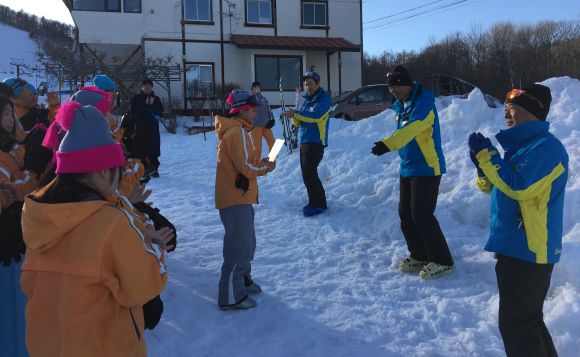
(331, 284)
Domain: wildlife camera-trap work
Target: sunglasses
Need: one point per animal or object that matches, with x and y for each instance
(514, 93)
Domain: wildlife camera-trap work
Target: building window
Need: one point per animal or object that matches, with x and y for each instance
(270, 68)
(132, 6)
(314, 14)
(200, 80)
(198, 10)
(97, 5)
(259, 12)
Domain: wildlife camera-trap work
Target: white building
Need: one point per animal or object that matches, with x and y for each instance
(231, 41)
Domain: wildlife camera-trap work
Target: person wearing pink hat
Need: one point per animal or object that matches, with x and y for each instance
(87, 251)
(236, 190)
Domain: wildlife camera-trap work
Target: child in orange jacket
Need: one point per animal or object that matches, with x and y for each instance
(236, 190)
(89, 258)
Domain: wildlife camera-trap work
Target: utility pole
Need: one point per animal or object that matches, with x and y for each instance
(18, 62)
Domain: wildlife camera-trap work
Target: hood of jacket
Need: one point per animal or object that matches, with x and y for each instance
(46, 224)
(223, 124)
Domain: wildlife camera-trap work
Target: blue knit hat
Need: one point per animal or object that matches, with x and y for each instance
(313, 75)
(103, 82)
(93, 96)
(32, 88)
(17, 85)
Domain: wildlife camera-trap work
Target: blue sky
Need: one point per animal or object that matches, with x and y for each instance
(410, 34)
(415, 33)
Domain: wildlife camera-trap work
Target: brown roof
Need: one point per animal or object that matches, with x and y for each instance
(331, 44)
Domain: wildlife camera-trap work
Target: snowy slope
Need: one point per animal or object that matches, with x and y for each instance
(16, 44)
(331, 283)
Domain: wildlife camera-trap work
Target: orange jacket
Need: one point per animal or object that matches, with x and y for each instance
(236, 155)
(87, 273)
(11, 170)
(133, 171)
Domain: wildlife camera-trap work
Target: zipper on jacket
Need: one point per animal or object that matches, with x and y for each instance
(135, 324)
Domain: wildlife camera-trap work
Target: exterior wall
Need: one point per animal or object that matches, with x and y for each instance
(161, 20)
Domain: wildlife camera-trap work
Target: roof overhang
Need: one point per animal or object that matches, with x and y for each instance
(328, 44)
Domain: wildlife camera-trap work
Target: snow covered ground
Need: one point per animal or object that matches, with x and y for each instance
(331, 284)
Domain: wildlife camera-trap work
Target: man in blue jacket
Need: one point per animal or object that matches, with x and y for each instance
(311, 117)
(418, 141)
(527, 190)
(148, 108)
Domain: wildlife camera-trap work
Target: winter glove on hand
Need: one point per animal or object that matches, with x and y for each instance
(242, 183)
(480, 172)
(270, 124)
(159, 221)
(11, 244)
(152, 312)
(380, 148)
(478, 142)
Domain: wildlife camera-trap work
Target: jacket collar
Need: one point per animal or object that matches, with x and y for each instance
(398, 104)
(307, 96)
(513, 138)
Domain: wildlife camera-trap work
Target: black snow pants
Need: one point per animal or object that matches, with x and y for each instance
(310, 157)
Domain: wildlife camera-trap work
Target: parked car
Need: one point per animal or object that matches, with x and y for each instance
(443, 85)
(363, 103)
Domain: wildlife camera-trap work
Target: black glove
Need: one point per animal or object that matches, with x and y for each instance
(242, 183)
(159, 221)
(380, 148)
(480, 172)
(270, 124)
(152, 312)
(11, 244)
(36, 157)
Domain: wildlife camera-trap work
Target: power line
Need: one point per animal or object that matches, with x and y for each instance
(402, 12)
(416, 14)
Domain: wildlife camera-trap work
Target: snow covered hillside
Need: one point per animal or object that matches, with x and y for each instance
(17, 45)
(331, 283)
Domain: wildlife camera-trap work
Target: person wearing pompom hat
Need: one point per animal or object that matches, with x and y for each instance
(527, 188)
(236, 190)
(86, 251)
(417, 139)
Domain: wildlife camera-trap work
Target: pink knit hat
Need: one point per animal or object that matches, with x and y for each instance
(85, 96)
(240, 100)
(88, 145)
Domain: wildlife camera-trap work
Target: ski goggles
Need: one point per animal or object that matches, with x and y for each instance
(514, 93)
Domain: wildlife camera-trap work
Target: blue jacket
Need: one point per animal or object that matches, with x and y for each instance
(527, 196)
(312, 118)
(417, 137)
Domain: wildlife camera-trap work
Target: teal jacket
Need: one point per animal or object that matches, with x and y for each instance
(417, 137)
(312, 118)
(527, 193)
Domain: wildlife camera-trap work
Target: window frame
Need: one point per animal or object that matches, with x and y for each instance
(197, 21)
(277, 57)
(199, 64)
(311, 26)
(133, 12)
(272, 15)
(105, 2)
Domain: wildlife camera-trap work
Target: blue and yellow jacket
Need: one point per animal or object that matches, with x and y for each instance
(417, 138)
(527, 193)
(312, 118)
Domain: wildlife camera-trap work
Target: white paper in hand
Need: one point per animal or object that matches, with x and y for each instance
(275, 150)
